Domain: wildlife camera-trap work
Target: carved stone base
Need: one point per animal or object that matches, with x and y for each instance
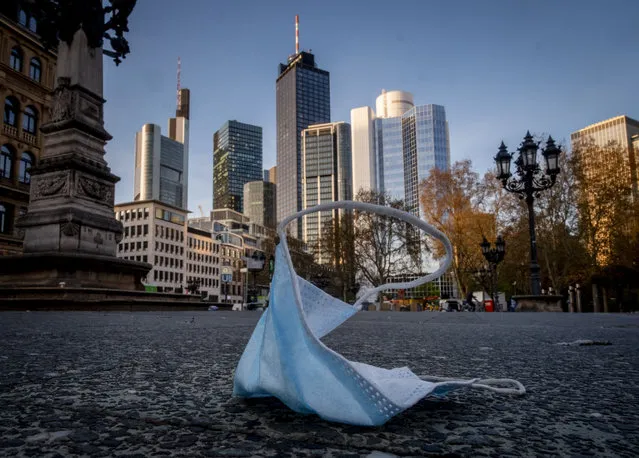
(94, 299)
(71, 208)
(538, 303)
(72, 270)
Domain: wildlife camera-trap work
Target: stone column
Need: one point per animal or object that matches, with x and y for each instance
(72, 188)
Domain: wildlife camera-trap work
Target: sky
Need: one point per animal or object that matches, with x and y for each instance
(498, 67)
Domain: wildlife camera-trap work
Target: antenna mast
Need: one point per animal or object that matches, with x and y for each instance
(297, 34)
(179, 84)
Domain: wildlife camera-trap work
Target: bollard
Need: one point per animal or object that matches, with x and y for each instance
(578, 289)
(571, 299)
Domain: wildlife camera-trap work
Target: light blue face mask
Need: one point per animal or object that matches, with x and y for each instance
(285, 357)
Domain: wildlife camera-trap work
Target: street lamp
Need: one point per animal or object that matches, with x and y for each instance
(530, 181)
(255, 263)
(494, 256)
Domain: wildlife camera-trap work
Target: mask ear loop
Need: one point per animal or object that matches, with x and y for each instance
(383, 210)
(490, 384)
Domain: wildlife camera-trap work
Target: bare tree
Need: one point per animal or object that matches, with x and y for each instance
(381, 244)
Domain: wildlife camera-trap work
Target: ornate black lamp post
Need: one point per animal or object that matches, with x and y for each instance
(494, 256)
(530, 181)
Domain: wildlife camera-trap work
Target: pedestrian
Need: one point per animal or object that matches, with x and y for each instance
(470, 300)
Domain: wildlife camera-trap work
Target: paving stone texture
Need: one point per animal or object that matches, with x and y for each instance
(159, 384)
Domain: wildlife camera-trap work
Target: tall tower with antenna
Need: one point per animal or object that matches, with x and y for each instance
(179, 129)
(179, 83)
(297, 34)
(303, 98)
(162, 163)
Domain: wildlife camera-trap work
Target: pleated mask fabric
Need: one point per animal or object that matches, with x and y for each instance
(286, 358)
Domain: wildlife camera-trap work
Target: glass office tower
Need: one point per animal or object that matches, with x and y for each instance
(407, 147)
(237, 159)
(160, 167)
(302, 99)
(162, 163)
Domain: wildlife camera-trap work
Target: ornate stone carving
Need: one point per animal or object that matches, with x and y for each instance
(63, 106)
(69, 229)
(60, 21)
(90, 109)
(49, 186)
(118, 237)
(98, 239)
(94, 189)
(19, 232)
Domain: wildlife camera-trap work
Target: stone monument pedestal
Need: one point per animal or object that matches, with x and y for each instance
(71, 270)
(538, 303)
(70, 231)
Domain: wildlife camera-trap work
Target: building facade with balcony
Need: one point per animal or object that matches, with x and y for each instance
(203, 263)
(181, 255)
(27, 76)
(239, 239)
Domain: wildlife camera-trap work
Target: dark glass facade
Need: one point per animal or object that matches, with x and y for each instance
(302, 99)
(237, 159)
(259, 203)
(171, 172)
(327, 175)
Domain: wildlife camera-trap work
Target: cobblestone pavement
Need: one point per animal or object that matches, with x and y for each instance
(159, 383)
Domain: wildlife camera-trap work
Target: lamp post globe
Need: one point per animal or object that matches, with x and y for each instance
(503, 159)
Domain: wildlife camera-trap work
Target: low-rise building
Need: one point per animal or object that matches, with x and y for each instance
(155, 232)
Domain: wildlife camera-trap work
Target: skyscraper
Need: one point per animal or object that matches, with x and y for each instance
(394, 151)
(237, 159)
(162, 163)
(363, 149)
(259, 202)
(302, 99)
(326, 175)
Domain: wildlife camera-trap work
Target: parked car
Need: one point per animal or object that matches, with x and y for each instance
(450, 305)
